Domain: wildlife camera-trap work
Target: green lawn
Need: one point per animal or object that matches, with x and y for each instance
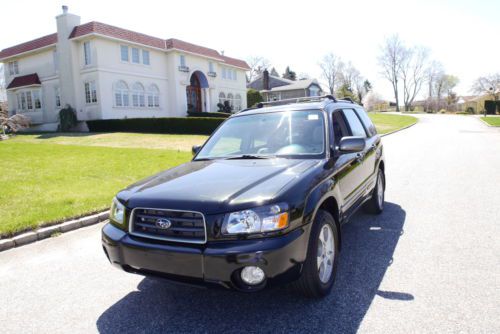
(492, 120)
(49, 182)
(50, 177)
(386, 123)
(117, 139)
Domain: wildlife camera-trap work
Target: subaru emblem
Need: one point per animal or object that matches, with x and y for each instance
(163, 223)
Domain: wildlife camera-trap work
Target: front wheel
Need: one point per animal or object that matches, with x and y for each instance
(320, 266)
(376, 203)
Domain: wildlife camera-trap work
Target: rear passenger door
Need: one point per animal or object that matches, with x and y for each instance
(357, 129)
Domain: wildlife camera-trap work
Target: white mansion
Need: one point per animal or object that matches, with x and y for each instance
(105, 72)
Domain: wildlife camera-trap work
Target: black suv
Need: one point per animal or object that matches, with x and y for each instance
(261, 203)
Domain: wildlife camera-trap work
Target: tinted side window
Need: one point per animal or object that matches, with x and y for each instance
(367, 122)
(339, 127)
(357, 128)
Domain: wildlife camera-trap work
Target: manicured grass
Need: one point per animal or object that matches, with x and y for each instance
(117, 139)
(49, 182)
(492, 120)
(386, 123)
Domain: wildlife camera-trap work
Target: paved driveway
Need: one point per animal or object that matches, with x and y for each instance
(430, 263)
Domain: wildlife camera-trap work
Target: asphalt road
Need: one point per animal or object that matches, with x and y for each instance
(428, 264)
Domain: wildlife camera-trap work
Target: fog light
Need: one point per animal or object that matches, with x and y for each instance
(252, 275)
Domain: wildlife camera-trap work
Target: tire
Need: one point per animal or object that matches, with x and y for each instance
(375, 204)
(315, 282)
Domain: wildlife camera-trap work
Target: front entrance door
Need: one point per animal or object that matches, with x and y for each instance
(193, 92)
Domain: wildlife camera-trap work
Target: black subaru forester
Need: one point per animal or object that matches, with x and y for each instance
(261, 203)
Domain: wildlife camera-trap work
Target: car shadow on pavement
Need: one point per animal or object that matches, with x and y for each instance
(368, 244)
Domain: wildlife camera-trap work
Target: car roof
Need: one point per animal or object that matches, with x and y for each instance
(279, 107)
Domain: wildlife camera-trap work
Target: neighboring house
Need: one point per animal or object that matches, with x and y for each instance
(476, 104)
(106, 72)
(275, 88)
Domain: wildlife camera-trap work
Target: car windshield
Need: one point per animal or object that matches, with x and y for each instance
(283, 134)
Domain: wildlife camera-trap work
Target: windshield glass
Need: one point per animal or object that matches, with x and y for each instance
(291, 133)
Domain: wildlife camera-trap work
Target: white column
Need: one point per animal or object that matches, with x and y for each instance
(208, 105)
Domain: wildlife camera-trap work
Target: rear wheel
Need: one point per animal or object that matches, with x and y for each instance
(376, 203)
(320, 266)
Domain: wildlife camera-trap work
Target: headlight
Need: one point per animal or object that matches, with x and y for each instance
(117, 211)
(257, 220)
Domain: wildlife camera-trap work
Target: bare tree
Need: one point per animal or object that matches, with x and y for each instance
(331, 66)
(433, 74)
(487, 85)
(412, 73)
(257, 65)
(348, 74)
(392, 55)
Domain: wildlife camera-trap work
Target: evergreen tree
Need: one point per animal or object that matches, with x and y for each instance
(289, 74)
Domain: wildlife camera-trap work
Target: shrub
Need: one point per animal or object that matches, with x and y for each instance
(225, 107)
(208, 114)
(67, 118)
(442, 111)
(253, 97)
(469, 110)
(180, 125)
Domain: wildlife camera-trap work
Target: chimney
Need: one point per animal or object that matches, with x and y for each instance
(67, 56)
(222, 52)
(265, 80)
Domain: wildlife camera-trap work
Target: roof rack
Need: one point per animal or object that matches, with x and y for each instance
(292, 100)
(296, 100)
(347, 99)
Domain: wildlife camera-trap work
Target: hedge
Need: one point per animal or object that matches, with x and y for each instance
(174, 125)
(208, 114)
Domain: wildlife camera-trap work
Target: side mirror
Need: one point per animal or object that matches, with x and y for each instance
(352, 144)
(195, 149)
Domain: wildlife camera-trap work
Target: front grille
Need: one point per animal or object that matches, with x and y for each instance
(185, 226)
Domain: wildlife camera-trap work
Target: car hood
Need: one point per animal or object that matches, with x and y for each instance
(215, 186)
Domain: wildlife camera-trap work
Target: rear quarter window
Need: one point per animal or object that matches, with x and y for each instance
(367, 122)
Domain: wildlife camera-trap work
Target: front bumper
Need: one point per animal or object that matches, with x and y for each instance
(214, 263)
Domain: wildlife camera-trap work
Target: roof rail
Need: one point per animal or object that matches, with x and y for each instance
(292, 100)
(348, 99)
(297, 100)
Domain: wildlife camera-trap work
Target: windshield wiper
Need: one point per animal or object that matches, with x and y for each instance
(249, 156)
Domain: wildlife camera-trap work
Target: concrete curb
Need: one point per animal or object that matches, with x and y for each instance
(48, 231)
(406, 127)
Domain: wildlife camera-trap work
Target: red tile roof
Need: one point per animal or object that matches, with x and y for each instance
(29, 46)
(111, 31)
(173, 43)
(24, 80)
(236, 62)
(128, 35)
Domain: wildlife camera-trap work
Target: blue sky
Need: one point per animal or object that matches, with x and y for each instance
(291, 32)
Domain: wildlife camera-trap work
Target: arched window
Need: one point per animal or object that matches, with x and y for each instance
(231, 100)
(138, 99)
(222, 97)
(121, 94)
(153, 96)
(237, 102)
